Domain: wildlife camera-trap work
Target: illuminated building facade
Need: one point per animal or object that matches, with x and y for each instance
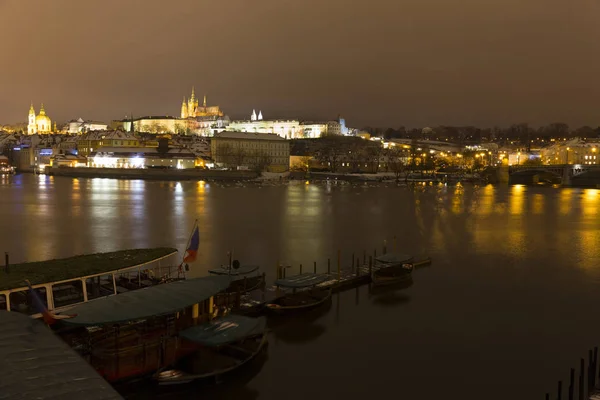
(191, 109)
(573, 151)
(251, 150)
(40, 123)
(79, 126)
(90, 142)
(142, 157)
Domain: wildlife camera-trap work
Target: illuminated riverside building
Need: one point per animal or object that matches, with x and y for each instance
(573, 151)
(79, 126)
(90, 142)
(251, 150)
(143, 157)
(40, 123)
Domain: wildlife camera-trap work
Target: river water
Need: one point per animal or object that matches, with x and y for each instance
(507, 307)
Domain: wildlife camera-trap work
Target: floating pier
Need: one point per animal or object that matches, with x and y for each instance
(339, 279)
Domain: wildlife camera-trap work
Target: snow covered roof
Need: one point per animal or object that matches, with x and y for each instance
(247, 136)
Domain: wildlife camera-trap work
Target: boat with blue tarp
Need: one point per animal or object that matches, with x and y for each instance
(304, 293)
(226, 342)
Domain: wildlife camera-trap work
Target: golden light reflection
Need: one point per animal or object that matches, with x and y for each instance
(588, 249)
(487, 200)
(565, 201)
(538, 203)
(517, 199)
(589, 202)
(457, 199)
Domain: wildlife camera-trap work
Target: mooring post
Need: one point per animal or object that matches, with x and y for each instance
(364, 257)
(352, 263)
(385, 247)
(591, 375)
(300, 269)
(283, 271)
(395, 249)
(6, 263)
(264, 281)
(559, 396)
(571, 388)
(581, 381)
(357, 267)
(547, 396)
(278, 271)
(370, 266)
(339, 267)
(329, 266)
(594, 370)
(315, 268)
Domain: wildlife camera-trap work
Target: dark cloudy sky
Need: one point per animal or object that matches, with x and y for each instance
(377, 62)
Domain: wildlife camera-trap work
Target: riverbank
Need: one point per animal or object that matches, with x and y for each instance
(152, 174)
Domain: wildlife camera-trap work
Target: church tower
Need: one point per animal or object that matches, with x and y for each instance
(31, 127)
(192, 104)
(204, 102)
(184, 110)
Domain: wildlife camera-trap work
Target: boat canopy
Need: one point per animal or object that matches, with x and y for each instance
(394, 258)
(243, 270)
(224, 330)
(153, 301)
(37, 364)
(302, 281)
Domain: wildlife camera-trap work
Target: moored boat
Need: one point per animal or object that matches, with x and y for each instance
(135, 334)
(305, 293)
(226, 344)
(396, 273)
(63, 283)
(245, 278)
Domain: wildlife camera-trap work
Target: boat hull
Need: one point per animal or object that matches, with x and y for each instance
(228, 358)
(300, 301)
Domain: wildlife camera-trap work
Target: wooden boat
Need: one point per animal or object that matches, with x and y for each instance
(226, 344)
(134, 334)
(304, 294)
(241, 279)
(391, 274)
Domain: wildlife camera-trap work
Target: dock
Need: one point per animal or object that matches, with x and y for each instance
(342, 279)
(584, 383)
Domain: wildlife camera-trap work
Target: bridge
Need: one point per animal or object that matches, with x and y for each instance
(563, 171)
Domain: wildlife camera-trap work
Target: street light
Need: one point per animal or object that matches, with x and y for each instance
(518, 158)
(567, 155)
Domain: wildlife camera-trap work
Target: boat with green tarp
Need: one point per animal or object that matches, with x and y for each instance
(226, 344)
(62, 283)
(300, 293)
(132, 335)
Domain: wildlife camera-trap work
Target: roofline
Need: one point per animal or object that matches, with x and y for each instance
(114, 271)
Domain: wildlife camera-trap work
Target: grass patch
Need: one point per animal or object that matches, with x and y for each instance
(77, 266)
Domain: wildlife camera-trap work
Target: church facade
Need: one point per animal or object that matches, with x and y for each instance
(191, 109)
(40, 123)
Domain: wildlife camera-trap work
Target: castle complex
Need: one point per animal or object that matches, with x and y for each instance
(191, 109)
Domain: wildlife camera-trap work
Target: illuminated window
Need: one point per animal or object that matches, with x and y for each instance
(67, 293)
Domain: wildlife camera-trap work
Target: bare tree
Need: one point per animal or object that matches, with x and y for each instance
(394, 161)
(373, 154)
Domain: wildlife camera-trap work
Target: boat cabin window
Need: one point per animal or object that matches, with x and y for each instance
(2, 302)
(67, 293)
(22, 302)
(99, 286)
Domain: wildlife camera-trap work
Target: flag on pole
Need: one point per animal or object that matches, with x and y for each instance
(192, 251)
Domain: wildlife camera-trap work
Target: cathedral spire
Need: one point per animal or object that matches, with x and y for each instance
(204, 102)
(42, 111)
(193, 95)
(31, 109)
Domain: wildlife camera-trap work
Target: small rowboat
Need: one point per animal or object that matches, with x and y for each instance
(389, 274)
(304, 296)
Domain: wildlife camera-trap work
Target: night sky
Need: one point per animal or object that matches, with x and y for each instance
(376, 62)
